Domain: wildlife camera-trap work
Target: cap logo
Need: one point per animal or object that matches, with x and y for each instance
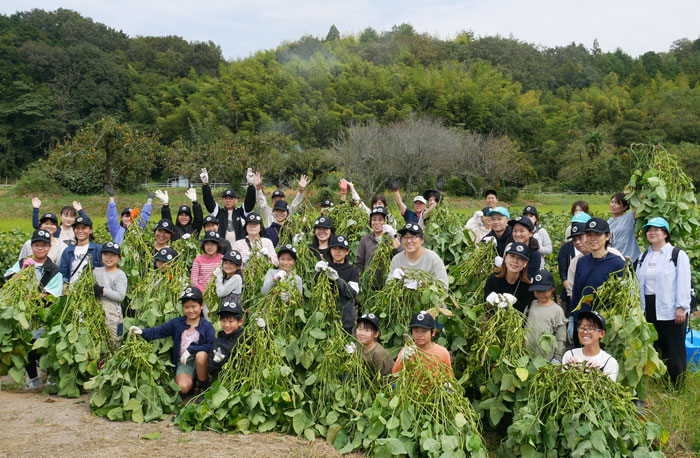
(538, 277)
(227, 304)
(371, 315)
(163, 251)
(341, 239)
(42, 233)
(170, 256)
(188, 290)
(519, 248)
(574, 229)
(115, 245)
(420, 317)
(518, 218)
(165, 224)
(592, 224)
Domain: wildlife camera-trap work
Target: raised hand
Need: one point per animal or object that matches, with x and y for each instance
(303, 182)
(36, 202)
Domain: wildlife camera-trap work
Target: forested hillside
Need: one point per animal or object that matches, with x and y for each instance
(571, 110)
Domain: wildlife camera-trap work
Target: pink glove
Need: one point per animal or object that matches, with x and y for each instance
(28, 262)
(343, 185)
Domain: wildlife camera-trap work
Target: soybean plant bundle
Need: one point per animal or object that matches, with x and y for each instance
(134, 385)
(444, 215)
(306, 260)
(211, 299)
(78, 340)
(283, 307)
(377, 269)
(187, 249)
(574, 411)
(19, 315)
(300, 222)
(659, 186)
(471, 274)
(350, 221)
(254, 274)
(10, 244)
(445, 234)
(137, 249)
(498, 363)
(395, 304)
(255, 391)
(427, 414)
(628, 338)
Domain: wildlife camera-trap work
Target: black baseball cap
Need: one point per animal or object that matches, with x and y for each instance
(486, 210)
(166, 254)
(166, 225)
(230, 308)
(542, 281)
(287, 249)
(530, 209)
(591, 315)
(523, 220)
(577, 229)
(518, 249)
(370, 318)
(278, 193)
(184, 209)
(598, 225)
(210, 219)
(413, 228)
(432, 192)
(281, 205)
(211, 236)
(111, 247)
(41, 236)
(84, 220)
(338, 240)
(49, 216)
(234, 256)
(126, 211)
(228, 193)
(327, 203)
(253, 217)
(422, 320)
(378, 211)
(323, 222)
(192, 293)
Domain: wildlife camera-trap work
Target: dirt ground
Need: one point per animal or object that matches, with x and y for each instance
(35, 425)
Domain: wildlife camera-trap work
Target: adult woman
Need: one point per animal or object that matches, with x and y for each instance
(540, 234)
(664, 275)
(512, 276)
(370, 242)
(593, 269)
(523, 232)
(162, 234)
(75, 257)
(323, 229)
(252, 240)
(580, 206)
(622, 227)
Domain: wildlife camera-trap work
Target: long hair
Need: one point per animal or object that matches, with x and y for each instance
(503, 270)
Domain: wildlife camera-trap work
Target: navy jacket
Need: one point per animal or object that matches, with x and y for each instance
(564, 257)
(273, 233)
(589, 277)
(94, 250)
(221, 214)
(174, 328)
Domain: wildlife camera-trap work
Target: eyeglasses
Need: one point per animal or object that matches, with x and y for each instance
(409, 237)
(587, 329)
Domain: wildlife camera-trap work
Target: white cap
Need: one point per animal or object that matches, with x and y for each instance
(420, 199)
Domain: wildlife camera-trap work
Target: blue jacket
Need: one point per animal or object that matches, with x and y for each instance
(94, 250)
(174, 328)
(273, 233)
(589, 277)
(114, 221)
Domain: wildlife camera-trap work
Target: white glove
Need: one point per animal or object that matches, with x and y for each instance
(279, 275)
(260, 323)
(410, 284)
(284, 295)
(184, 356)
(321, 265)
(490, 239)
(332, 273)
(297, 238)
(191, 194)
(204, 176)
(398, 274)
(186, 236)
(498, 261)
(350, 348)
(355, 196)
(136, 330)
(479, 214)
(163, 196)
(388, 230)
(509, 298)
(265, 252)
(250, 176)
(218, 355)
(492, 298)
(408, 352)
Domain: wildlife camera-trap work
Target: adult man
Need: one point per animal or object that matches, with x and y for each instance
(231, 218)
(416, 257)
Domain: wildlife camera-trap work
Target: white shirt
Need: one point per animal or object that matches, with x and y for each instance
(650, 284)
(80, 252)
(602, 360)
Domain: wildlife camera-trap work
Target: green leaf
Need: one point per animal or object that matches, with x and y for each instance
(460, 421)
(98, 398)
(396, 447)
(309, 434)
(151, 436)
(431, 445)
(522, 373)
(116, 414)
(219, 396)
(17, 374)
(132, 404)
(137, 415)
(299, 423)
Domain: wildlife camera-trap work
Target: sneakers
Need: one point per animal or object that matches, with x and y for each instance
(34, 383)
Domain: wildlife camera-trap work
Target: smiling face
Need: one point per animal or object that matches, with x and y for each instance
(377, 223)
(498, 222)
(211, 248)
(365, 333)
(596, 241)
(192, 309)
(418, 207)
(338, 253)
(656, 235)
(412, 243)
(521, 233)
(229, 202)
(49, 226)
(126, 220)
(229, 268)
(615, 207)
(67, 219)
(183, 219)
(287, 261)
(211, 227)
(253, 229)
(110, 259)
(589, 332)
(421, 336)
(532, 217)
(230, 324)
(162, 237)
(491, 200)
(323, 234)
(280, 216)
(82, 233)
(514, 263)
(40, 250)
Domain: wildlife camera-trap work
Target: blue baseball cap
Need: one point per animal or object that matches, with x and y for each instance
(580, 217)
(500, 211)
(657, 222)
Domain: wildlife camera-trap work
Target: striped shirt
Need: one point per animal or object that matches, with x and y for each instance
(203, 269)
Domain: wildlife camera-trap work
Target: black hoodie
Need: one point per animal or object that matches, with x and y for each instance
(226, 343)
(193, 227)
(347, 274)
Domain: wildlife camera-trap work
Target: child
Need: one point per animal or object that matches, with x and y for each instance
(164, 256)
(117, 225)
(253, 229)
(185, 225)
(110, 289)
(323, 230)
(545, 316)
(212, 224)
(204, 265)
(231, 335)
(422, 327)
(367, 333)
(229, 282)
(49, 223)
(287, 257)
(68, 214)
(591, 328)
(193, 337)
(162, 234)
(75, 257)
(345, 276)
(49, 281)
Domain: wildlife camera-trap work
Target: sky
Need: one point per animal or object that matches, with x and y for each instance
(243, 27)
